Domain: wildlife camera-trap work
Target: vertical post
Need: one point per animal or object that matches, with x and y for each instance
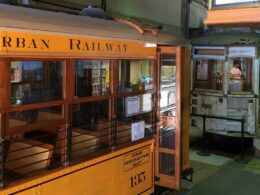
(2, 146)
(68, 145)
(104, 5)
(115, 129)
(203, 152)
(242, 139)
(113, 134)
(204, 133)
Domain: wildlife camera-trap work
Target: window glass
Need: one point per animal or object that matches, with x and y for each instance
(208, 74)
(168, 70)
(91, 128)
(240, 75)
(89, 115)
(92, 78)
(35, 81)
(27, 117)
(168, 84)
(135, 75)
(136, 118)
(230, 2)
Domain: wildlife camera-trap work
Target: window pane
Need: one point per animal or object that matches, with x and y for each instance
(240, 75)
(208, 74)
(28, 117)
(135, 75)
(90, 128)
(35, 81)
(168, 84)
(227, 2)
(92, 78)
(167, 138)
(167, 164)
(132, 112)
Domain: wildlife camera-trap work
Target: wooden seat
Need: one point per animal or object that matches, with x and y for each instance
(83, 142)
(30, 155)
(123, 134)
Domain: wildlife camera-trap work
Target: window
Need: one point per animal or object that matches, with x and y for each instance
(135, 75)
(240, 75)
(208, 74)
(233, 2)
(168, 70)
(89, 115)
(92, 78)
(28, 117)
(35, 81)
(91, 128)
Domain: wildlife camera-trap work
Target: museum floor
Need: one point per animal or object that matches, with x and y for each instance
(222, 172)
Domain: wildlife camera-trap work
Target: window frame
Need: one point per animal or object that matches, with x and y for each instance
(17, 108)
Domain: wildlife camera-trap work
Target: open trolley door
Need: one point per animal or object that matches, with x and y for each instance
(91, 112)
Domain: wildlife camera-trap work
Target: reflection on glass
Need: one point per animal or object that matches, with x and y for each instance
(90, 115)
(167, 138)
(168, 70)
(35, 81)
(91, 128)
(240, 74)
(168, 84)
(92, 78)
(167, 164)
(135, 75)
(208, 74)
(28, 117)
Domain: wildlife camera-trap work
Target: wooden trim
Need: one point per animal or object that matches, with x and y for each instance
(185, 107)
(3, 94)
(166, 150)
(242, 16)
(36, 106)
(178, 117)
(91, 99)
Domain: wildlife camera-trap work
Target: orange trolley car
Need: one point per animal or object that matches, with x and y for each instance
(90, 106)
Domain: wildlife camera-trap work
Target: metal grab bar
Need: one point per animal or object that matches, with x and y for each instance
(241, 120)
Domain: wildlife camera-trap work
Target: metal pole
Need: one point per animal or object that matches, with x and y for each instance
(204, 152)
(242, 139)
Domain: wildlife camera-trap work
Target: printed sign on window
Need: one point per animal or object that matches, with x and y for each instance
(137, 129)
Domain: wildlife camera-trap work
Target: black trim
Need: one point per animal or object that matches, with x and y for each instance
(79, 170)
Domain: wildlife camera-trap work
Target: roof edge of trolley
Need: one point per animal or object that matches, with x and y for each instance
(62, 23)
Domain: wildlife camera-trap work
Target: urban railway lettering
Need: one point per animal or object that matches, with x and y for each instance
(19, 42)
(14, 42)
(76, 44)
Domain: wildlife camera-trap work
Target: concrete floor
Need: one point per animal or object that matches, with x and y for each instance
(219, 174)
(231, 178)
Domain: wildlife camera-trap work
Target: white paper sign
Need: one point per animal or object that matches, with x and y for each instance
(137, 130)
(132, 105)
(147, 103)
